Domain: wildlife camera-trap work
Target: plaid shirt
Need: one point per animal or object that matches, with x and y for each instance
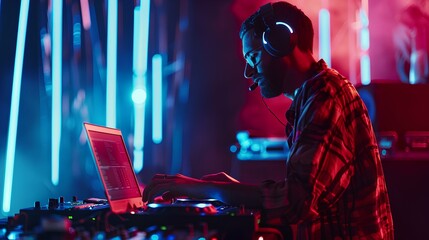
(335, 187)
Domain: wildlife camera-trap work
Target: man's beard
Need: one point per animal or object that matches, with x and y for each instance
(274, 80)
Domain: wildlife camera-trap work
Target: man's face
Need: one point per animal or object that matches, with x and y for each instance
(269, 72)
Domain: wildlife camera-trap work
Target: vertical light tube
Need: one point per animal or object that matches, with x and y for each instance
(86, 17)
(140, 58)
(325, 35)
(365, 66)
(143, 44)
(364, 39)
(112, 41)
(157, 98)
(137, 94)
(14, 107)
(351, 32)
(57, 31)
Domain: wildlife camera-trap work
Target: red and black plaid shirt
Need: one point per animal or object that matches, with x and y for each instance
(335, 187)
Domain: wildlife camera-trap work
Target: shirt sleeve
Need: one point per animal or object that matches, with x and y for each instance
(319, 165)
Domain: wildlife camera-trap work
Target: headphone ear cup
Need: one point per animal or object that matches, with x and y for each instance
(279, 40)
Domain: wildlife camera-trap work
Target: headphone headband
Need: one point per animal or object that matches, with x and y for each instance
(267, 14)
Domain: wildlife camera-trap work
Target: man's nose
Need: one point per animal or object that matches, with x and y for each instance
(248, 71)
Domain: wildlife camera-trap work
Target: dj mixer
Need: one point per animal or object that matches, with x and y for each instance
(76, 213)
(92, 219)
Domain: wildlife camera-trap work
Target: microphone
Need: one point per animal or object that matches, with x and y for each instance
(253, 86)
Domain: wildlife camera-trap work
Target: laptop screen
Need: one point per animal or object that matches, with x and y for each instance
(114, 166)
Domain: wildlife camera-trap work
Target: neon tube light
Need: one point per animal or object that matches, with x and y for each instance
(112, 32)
(139, 101)
(365, 64)
(14, 108)
(325, 35)
(57, 29)
(141, 40)
(157, 98)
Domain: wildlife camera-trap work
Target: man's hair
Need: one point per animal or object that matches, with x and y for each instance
(288, 13)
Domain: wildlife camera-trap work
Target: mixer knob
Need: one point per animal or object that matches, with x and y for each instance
(37, 205)
(53, 203)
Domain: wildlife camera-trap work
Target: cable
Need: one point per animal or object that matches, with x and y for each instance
(269, 109)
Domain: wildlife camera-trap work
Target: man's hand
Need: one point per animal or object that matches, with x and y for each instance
(219, 177)
(164, 188)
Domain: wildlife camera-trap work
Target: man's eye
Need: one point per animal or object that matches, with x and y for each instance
(253, 59)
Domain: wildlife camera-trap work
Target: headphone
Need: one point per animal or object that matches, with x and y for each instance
(279, 39)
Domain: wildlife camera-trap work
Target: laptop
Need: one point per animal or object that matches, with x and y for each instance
(120, 182)
(114, 167)
(125, 196)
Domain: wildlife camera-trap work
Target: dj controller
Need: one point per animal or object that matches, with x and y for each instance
(92, 219)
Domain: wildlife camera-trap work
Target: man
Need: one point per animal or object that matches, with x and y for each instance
(335, 187)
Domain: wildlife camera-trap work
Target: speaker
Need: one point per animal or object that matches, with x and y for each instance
(279, 38)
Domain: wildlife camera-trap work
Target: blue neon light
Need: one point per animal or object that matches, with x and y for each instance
(363, 18)
(365, 65)
(14, 108)
(139, 99)
(365, 70)
(141, 40)
(157, 98)
(139, 96)
(325, 35)
(57, 29)
(154, 237)
(364, 39)
(364, 32)
(112, 33)
(138, 160)
(136, 38)
(139, 104)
